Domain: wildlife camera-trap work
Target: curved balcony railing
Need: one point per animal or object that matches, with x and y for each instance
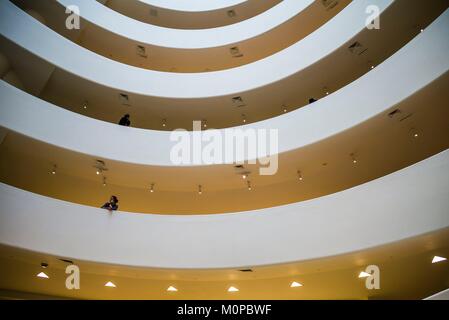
(191, 17)
(405, 204)
(395, 79)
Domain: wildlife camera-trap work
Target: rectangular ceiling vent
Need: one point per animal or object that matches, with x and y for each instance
(153, 13)
(124, 99)
(67, 261)
(394, 113)
(398, 115)
(141, 51)
(329, 4)
(357, 48)
(231, 13)
(246, 270)
(235, 52)
(238, 102)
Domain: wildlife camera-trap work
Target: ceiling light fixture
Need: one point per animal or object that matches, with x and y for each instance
(244, 118)
(300, 175)
(164, 122)
(104, 181)
(53, 171)
(110, 285)
(42, 275)
(249, 185)
(172, 289)
(437, 259)
(414, 132)
(354, 160)
(205, 123)
(295, 284)
(85, 105)
(200, 190)
(233, 289)
(152, 188)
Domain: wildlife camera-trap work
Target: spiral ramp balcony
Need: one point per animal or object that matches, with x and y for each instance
(362, 174)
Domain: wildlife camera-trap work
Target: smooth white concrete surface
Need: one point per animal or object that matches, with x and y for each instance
(443, 295)
(387, 85)
(26, 32)
(144, 33)
(405, 204)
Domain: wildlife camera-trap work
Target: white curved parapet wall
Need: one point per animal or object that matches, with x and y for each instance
(390, 83)
(140, 32)
(26, 32)
(193, 5)
(405, 204)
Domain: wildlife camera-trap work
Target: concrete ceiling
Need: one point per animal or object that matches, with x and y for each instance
(190, 19)
(406, 272)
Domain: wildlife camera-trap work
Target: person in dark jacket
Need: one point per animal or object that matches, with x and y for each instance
(124, 121)
(111, 205)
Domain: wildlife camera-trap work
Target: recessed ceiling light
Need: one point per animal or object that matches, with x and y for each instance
(300, 176)
(364, 274)
(437, 259)
(200, 190)
(152, 188)
(233, 289)
(42, 275)
(295, 284)
(110, 284)
(172, 289)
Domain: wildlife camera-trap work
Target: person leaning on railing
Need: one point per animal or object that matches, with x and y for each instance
(112, 204)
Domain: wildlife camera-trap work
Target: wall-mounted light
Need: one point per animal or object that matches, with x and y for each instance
(353, 158)
(200, 189)
(152, 188)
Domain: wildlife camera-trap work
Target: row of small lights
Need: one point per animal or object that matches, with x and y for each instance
(245, 176)
(326, 90)
(243, 116)
(294, 284)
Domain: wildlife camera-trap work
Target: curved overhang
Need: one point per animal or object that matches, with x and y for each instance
(334, 114)
(359, 218)
(191, 19)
